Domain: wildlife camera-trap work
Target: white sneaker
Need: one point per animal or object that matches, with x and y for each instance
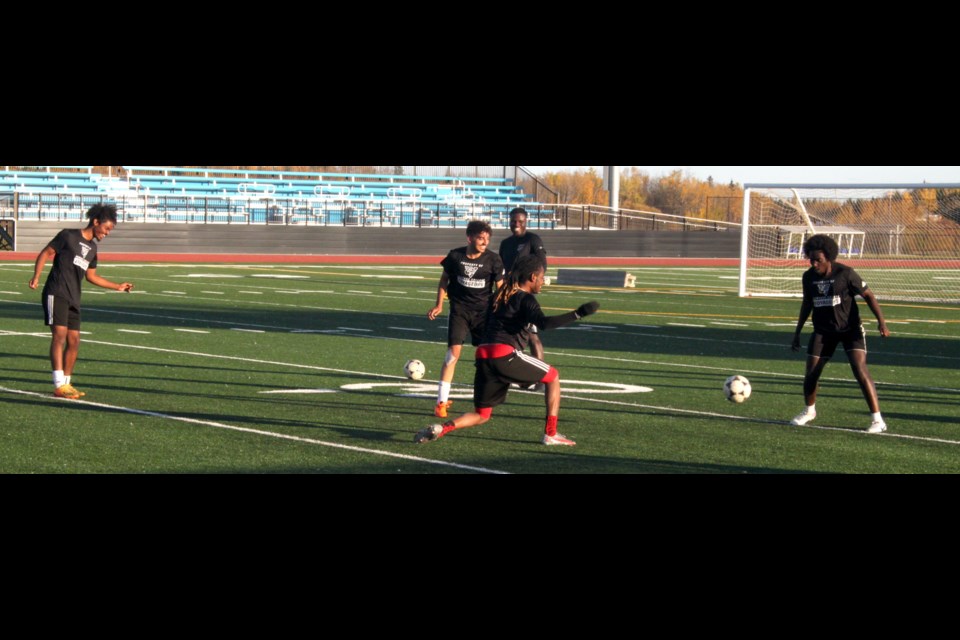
(804, 418)
(557, 440)
(877, 426)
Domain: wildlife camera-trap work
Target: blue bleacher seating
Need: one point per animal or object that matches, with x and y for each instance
(172, 194)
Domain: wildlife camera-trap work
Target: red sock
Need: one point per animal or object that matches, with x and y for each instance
(551, 428)
(447, 428)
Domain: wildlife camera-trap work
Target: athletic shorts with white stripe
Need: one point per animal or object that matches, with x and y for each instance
(494, 375)
(59, 312)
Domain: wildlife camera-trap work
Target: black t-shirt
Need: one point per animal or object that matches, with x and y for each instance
(471, 279)
(508, 324)
(75, 255)
(513, 247)
(834, 307)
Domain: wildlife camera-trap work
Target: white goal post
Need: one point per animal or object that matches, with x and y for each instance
(904, 239)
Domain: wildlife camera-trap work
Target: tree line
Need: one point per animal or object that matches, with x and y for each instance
(677, 193)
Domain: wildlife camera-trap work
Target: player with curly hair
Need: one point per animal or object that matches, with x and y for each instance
(74, 255)
(500, 357)
(829, 290)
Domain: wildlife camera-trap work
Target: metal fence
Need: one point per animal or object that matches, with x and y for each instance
(255, 209)
(585, 217)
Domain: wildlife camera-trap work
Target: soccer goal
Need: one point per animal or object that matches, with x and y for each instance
(904, 239)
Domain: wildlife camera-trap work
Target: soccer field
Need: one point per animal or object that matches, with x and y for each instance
(298, 369)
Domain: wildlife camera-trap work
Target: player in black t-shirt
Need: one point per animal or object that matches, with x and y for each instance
(469, 275)
(522, 243)
(829, 289)
(500, 358)
(74, 255)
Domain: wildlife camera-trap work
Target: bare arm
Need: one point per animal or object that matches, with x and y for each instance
(875, 308)
(441, 294)
(47, 254)
(93, 278)
(805, 310)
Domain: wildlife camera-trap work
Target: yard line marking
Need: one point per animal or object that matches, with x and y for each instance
(208, 275)
(407, 329)
(304, 391)
(710, 414)
(252, 293)
(680, 324)
(259, 432)
(551, 353)
(353, 329)
(723, 369)
(731, 324)
(16, 293)
(644, 326)
(385, 277)
(336, 331)
(176, 293)
(133, 331)
(216, 293)
(191, 331)
(247, 330)
(279, 276)
(352, 291)
(402, 293)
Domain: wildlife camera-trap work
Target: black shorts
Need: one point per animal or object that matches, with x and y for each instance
(464, 322)
(60, 312)
(823, 345)
(494, 375)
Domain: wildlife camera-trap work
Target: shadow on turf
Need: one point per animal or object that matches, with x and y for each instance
(523, 441)
(723, 342)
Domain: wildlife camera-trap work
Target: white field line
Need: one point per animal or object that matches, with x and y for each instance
(701, 367)
(710, 414)
(443, 327)
(191, 331)
(259, 432)
(636, 405)
(133, 331)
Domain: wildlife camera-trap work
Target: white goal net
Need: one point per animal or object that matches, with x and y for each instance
(903, 239)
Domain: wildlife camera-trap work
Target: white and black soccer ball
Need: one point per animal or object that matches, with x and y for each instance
(414, 369)
(737, 389)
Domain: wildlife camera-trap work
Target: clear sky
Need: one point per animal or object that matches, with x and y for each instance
(742, 175)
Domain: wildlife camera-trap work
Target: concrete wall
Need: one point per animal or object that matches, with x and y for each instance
(261, 239)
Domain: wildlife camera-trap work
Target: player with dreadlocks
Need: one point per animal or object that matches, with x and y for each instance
(500, 357)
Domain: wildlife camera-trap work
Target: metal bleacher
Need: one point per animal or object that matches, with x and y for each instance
(237, 196)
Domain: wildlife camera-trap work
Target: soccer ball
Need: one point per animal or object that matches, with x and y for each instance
(414, 369)
(737, 389)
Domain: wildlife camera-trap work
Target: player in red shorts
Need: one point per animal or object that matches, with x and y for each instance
(500, 357)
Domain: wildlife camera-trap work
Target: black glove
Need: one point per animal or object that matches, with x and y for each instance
(587, 309)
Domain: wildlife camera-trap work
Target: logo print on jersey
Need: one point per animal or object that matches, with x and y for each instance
(824, 287)
(84, 249)
(471, 269)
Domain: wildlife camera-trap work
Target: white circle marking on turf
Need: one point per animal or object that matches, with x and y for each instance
(429, 389)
